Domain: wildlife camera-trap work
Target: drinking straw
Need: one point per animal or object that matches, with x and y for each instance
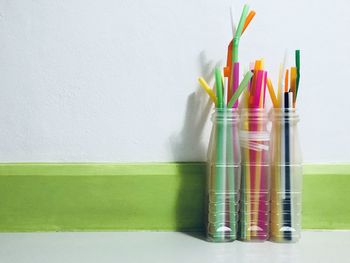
(264, 88)
(293, 82)
(257, 66)
(230, 149)
(228, 68)
(248, 20)
(256, 155)
(227, 71)
(230, 131)
(240, 89)
(279, 87)
(287, 219)
(244, 102)
(233, 24)
(235, 80)
(272, 93)
(261, 171)
(297, 64)
(286, 77)
(247, 171)
(220, 161)
(282, 171)
(219, 88)
(280, 79)
(208, 90)
(258, 85)
(230, 145)
(245, 184)
(275, 182)
(239, 33)
(245, 209)
(224, 95)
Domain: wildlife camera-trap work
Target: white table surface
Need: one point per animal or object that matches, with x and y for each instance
(167, 247)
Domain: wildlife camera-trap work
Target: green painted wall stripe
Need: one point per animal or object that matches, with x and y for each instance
(326, 201)
(152, 196)
(327, 169)
(86, 169)
(100, 169)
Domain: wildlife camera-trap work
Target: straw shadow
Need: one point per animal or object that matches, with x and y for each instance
(187, 145)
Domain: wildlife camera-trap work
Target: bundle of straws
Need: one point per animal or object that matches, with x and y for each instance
(223, 174)
(286, 164)
(225, 95)
(231, 71)
(255, 145)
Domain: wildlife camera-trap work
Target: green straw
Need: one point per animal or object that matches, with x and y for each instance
(218, 82)
(239, 33)
(297, 63)
(240, 89)
(220, 176)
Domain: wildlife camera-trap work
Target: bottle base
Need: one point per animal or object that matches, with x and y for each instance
(220, 239)
(282, 239)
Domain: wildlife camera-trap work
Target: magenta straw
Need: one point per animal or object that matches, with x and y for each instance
(264, 86)
(257, 91)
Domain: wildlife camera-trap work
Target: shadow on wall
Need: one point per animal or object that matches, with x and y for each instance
(188, 146)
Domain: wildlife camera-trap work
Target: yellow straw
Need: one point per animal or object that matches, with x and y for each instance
(258, 156)
(272, 93)
(247, 231)
(280, 87)
(208, 90)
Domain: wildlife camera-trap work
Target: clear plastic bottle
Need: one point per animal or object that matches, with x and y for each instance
(223, 179)
(286, 176)
(255, 176)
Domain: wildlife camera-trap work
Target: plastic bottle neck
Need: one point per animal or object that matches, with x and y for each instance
(254, 114)
(283, 115)
(227, 115)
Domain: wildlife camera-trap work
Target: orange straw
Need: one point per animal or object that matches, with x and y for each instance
(227, 71)
(248, 20)
(286, 80)
(293, 82)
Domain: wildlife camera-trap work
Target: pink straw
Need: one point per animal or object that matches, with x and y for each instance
(258, 84)
(265, 81)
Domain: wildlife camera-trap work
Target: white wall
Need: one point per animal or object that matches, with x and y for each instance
(108, 80)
